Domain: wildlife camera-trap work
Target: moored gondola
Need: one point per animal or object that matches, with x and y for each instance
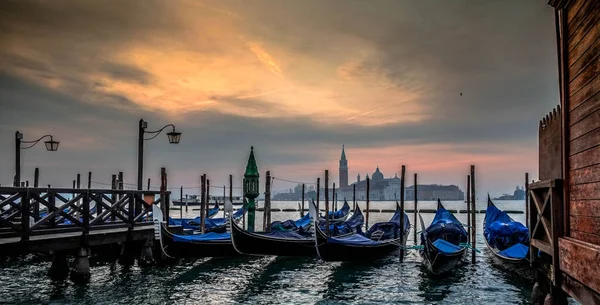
(212, 212)
(443, 242)
(379, 241)
(284, 243)
(507, 239)
(339, 215)
(210, 244)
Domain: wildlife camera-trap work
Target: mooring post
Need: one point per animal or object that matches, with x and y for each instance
(318, 194)
(527, 199)
(302, 209)
(120, 185)
(59, 269)
(402, 182)
(231, 188)
(148, 183)
(207, 198)
(163, 191)
(78, 181)
(202, 202)
(89, 180)
(327, 202)
(181, 202)
(473, 218)
(267, 210)
(367, 218)
(468, 201)
(113, 186)
(353, 197)
(36, 204)
(415, 210)
(81, 273)
(334, 203)
(186, 203)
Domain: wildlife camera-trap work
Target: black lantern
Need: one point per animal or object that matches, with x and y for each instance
(51, 145)
(174, 136)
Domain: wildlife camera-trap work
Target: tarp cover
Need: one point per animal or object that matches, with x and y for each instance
(445, 226)
(342, 212)
(501, 231)
(446, 247)
(389, 229)
(352, 224)
(354, 239)
(213, 211)
(201, 237)
(516, 251)
(285, 235)
(301, 224)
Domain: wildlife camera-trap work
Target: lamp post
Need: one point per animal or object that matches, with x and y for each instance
(51, 145)
(173, 136)
(251, 188)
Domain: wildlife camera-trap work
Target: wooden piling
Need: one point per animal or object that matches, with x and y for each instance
(166, 196)
(202, 201)
(415, 209)
(113, 186)
(527, 199)
(231, 188)
(89, 180)
(473, 218)
(367, 218)
(353, 197)
(181, 202)
(36, 204)
(334, 201)
(468, 208)
(148, 183)
(78, 181)
(318, 194)
(186, 203)
(163, 190)
(302, 208)
(327, 202)
(267, 209)
(207, 197)
(402, 181)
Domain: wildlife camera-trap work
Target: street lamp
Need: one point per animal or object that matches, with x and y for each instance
(173, 137)
(51, 145)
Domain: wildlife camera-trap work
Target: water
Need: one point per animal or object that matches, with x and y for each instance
(275, 280)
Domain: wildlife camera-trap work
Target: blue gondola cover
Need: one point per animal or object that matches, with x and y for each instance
(201, 237)
(445, 226)
(501, 231)
(446, 247)
(516, 251)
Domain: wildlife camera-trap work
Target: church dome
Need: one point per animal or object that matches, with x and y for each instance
(377, 175)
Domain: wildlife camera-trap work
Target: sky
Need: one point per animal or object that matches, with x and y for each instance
(433, 85)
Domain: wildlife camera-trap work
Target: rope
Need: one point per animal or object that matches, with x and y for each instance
(292, 181)
(468, 246)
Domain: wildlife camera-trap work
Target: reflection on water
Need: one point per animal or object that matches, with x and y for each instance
(271, 280)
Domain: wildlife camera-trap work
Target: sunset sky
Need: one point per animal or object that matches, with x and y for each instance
(295, 78)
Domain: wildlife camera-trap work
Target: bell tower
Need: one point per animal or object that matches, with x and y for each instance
(343, 169)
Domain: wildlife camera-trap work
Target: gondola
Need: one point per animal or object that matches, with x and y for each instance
(302, 225)
(507, 239)
(380, 240)
(282, 243)
(212, 212)
(443, 242)
(217, 225)
(210, 244)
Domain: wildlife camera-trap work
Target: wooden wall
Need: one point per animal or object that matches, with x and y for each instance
(583, 108)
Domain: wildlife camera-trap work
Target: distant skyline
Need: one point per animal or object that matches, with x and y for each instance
(434, 85)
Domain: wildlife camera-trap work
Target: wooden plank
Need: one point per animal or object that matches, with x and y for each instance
(584, 126)
(573, 9)
(583, 55)
(586, 237)
(587, 191)
(585, 76)
(584, 109)
(542, 245)
(585, 208)
(586, 18)
(578, 17)
(589, 90)
(585, 141)
(585, 158)
(576, 259)
(585, 175)
(586, 224)
(580, 292)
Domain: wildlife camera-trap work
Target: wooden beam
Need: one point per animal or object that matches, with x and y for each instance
(577, 258)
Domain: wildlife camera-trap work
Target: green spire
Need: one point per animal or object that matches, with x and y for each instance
(343, 153)
(251, 168)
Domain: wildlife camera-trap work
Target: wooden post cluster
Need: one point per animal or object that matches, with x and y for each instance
(327, 202)
(402, 181)
(473, 209)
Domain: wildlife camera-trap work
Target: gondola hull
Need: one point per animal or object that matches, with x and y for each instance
(250, 243)
(333, 252)
(208, 248)
(438, 262)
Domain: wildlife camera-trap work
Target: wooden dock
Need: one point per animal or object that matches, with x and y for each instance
(564, 205)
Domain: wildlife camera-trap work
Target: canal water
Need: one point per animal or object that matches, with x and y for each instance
(277, 280)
